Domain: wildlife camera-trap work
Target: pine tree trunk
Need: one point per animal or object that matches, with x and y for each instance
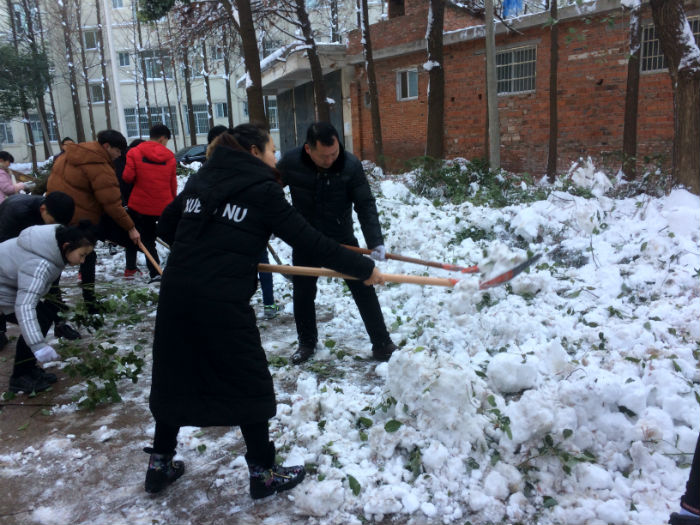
(372, 85)
(83, 61)
(178, 93)
(434, 147)
(144, 76)
(103, 65)
(50, 88)
(629, 134)
(207, 86)
(227, 72)
(323, 112)
(256, 105)
(684, 68)
(335, 27)
(553, 99)
(164, 76)
(188, 97)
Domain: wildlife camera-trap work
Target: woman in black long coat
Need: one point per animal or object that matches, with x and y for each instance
(209, 367)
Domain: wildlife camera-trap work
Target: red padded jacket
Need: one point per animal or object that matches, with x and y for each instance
(150, 167)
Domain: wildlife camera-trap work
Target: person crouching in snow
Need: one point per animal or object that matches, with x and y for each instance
(209, 367)
(29, 264)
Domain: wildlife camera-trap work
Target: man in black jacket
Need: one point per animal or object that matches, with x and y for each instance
(326, 182)
(21, 211)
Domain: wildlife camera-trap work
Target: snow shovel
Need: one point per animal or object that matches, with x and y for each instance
(400, 278)
(150, 257)
(433, 264)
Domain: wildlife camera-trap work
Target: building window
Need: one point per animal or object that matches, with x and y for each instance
(221, 109)
(270, 45)
(653, 58)
(272, 117)
(515, 70)
(90, 38)
(138, 127)
(124, 58)
(245, 109)
(6, 133)
(407, 84)
(97, 93)
(35, 124)
(157, 63)
(218, 53)
(117, 4)
(201, 119)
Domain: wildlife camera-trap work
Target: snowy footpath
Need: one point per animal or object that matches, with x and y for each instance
(570, 395)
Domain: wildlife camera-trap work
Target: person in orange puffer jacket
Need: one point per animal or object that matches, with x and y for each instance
(150, 167)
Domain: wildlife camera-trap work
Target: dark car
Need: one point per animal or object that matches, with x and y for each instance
(196, 153)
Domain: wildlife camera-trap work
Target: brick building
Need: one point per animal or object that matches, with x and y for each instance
(593, 55)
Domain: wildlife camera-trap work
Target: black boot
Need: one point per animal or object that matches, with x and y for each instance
(383, 352)
(303, 353)
(162, 471)
(3, 340)
(267, 478)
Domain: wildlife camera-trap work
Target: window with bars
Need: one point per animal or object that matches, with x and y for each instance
(201, 119)
(6, 133)
(407, 84)
(124, 59)
(90, 38)
(653, 58)
(271, 109)
(137, 125)
(35, 124)
(515, 70)
(97, 93)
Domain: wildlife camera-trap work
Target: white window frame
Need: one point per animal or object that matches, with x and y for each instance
(201, 119)
(515, 85)
(400, 84)
(151, 59)
(35, 124)
(124, 58)
(652, 59)
(137, 126)
(92, 32)
(272, 113)
(6, 136)
(117, 4)
(221, 109)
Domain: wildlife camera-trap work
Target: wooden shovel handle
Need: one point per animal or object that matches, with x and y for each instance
(150, 257)
(403, 258)
(309, 271)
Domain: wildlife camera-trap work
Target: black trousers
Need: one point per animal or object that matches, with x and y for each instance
(24, 358)
(54, 296)
(107, 230)
(365, 298)
(146, 225)
(255, 435)
(691, 499)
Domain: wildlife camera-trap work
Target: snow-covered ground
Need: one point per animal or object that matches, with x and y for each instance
(568, 396)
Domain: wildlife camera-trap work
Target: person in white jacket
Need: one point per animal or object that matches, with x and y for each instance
(28, 265)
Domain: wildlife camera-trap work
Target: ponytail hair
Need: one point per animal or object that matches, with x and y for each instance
(82, 234)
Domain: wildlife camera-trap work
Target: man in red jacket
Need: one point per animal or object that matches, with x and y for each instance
(150, 167)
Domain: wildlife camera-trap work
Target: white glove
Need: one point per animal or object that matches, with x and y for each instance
(378, 253)
(46, 353)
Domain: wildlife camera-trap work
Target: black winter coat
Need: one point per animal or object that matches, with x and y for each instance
(18, 212)
(209, 368)
(325, 197)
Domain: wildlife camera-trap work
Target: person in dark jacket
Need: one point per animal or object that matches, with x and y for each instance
(22, 211)
(215, 372)
(326, 182)
(689, 512)
(150, 167)
(130, 250)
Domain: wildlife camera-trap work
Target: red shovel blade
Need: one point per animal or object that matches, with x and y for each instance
(508, 275)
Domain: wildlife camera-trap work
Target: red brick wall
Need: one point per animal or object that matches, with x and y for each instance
(591, 90)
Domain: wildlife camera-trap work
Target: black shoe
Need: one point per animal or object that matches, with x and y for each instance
(28, 383)
(154, 279)
(66, 331)
(680, 519)
(383, 352)
(162, 471)
(39, 373)
(3, 340)
(303, 353)
(267, 481)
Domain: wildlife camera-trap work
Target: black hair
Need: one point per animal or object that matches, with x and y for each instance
(322, 132)
(215, 132)
(159, 130)
(66, 139)
(251, 134)
(135, 143)
(82, 234)
(113, 138)
(4, 155)
(60, 206)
